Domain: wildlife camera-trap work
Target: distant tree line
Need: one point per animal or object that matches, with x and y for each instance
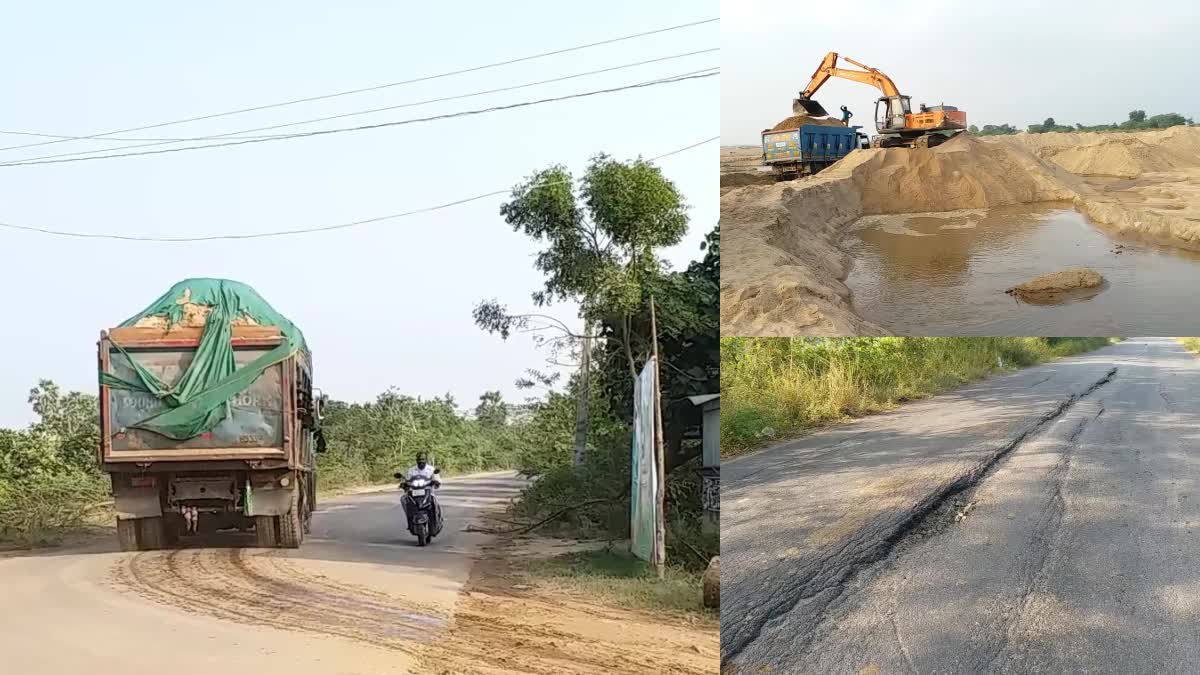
(1137, 121)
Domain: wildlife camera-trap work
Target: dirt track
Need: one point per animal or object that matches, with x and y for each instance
(358, 597)
(785, 262)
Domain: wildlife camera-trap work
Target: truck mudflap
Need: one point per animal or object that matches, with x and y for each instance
(268, 500)
(136, 502)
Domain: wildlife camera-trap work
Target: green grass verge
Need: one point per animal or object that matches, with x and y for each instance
(621, 580)
(773, 388)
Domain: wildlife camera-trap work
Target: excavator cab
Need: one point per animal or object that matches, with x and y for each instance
(891, 112)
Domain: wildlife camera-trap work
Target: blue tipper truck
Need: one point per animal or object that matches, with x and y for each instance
(809, 148)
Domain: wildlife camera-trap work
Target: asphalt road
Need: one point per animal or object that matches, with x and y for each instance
(358, 597)
(1044, 521)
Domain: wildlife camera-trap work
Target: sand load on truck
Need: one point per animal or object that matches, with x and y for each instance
(797, 121)
(199, 399)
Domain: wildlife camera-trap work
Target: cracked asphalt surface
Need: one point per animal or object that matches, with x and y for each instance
(1043, 521)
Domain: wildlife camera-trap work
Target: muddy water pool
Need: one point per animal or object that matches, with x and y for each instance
(946, 273)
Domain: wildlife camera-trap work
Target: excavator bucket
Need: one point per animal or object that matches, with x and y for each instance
(809, 107)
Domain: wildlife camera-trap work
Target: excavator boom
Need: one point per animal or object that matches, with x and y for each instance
(828, 69)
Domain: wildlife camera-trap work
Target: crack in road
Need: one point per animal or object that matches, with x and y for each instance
(1045, 537)
(824, 581)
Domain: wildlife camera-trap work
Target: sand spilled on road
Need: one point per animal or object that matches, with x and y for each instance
(508, 624)
(784, 265)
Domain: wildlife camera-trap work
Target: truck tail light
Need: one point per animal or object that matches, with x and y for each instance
(142, 481)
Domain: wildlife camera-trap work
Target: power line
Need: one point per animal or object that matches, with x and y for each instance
(311, 230)
(694, 75)
(239, 134)
(415, 80)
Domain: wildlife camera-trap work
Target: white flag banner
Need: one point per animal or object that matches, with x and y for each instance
(644, 493)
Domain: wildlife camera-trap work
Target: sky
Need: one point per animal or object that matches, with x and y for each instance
(1012, 62)
(387, 304)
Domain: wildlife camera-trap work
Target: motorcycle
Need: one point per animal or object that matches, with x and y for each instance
(424, 518)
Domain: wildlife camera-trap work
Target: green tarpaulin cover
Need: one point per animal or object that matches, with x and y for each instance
(199, 400)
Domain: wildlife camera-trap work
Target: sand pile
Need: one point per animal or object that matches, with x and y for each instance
(1064, 285)
(796, 121)
(963, 173)
(1121, 155)
(783, 267)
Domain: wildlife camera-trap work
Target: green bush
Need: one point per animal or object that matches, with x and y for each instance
(779, 386)
(38, 511)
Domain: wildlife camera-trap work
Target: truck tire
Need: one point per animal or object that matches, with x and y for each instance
(150, 533)
(291, 526)
(264, 531)
(127, 534)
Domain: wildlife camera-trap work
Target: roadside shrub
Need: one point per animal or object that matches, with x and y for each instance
(771, 387)
(39, 511)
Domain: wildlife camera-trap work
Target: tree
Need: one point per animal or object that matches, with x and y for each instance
(1049, 123)
(973, 129)
(599, 244)
(492, 411)
(1137, 115)
(688, 305)
(69, 422)
(599, 250)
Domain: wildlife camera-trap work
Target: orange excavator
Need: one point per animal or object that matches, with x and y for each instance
(897, 125)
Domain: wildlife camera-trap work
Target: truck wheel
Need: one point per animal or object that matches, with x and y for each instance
(291, 527)
(264, 531)
(127, 534)
(150, 533)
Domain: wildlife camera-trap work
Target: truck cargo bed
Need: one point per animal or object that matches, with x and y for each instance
(254, 427)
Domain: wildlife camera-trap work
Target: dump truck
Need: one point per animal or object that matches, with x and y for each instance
(808, 148)
(209, 419)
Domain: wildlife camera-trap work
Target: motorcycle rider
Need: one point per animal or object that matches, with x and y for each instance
(426, 471)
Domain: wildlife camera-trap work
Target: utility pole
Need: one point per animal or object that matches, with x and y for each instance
(584, 397)
(660, 527)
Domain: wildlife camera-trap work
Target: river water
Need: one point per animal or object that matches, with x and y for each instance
(946, 273)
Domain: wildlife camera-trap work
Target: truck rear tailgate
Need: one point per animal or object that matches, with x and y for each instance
(253, 425)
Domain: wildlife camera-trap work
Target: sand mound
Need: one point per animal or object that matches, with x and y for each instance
(1117, 154)
(963, 173)
(783, 267)
(1058, 286)
(1123, 158)
(796, 121)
